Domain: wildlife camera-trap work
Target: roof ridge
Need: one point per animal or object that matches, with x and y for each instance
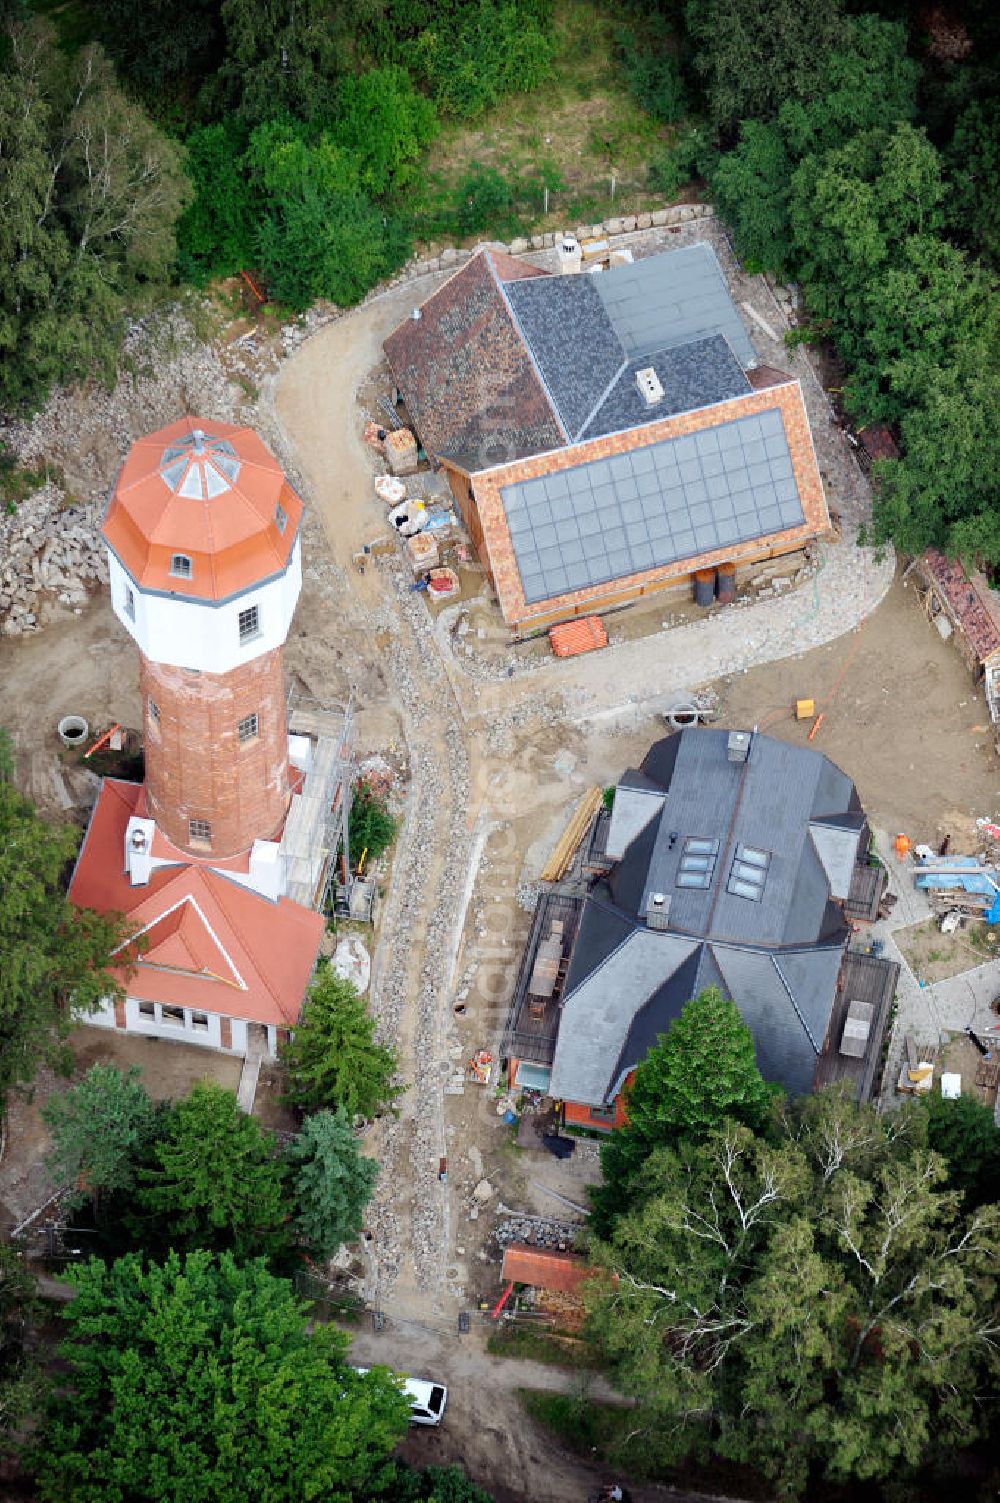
(604, 394)
(795, 1006)
(237, 930)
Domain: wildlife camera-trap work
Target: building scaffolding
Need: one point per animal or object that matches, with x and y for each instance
(318, 822)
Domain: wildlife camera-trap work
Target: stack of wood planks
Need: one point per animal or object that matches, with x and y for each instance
(558, 863)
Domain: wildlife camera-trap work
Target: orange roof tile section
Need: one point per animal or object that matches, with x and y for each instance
(574, 637)
(524, 1264)
(210, 943)
(786, 398)
(211, 491)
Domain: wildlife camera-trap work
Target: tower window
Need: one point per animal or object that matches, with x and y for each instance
(249, 623)
(130, 602)
(280, 517)
(180, 565)
(199, 832)
(247, 728)
(154, 712)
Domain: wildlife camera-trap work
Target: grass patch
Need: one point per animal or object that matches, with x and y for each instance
(572, 135)
(557, 1348)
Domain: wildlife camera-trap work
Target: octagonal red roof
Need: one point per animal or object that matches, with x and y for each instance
(210, 493)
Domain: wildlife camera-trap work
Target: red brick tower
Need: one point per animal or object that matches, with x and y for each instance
(203, 549)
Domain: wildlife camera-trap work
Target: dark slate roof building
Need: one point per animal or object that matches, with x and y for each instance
(729, 859)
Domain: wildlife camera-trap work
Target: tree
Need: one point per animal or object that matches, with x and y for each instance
(817, 1304)
(700, 1072)
(215, 234)
(201, 1380)
(162, 44)
(55, 956)
(214, 1180)
(373, 828)
(752, 55)
(90, 192)
(100, 1127)
(281, 59)
(20, 1380)
(333, 1059)
(964, 1134)
(431, 1484)
(331, 1182)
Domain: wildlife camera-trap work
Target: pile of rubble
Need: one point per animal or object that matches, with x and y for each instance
(48, 552)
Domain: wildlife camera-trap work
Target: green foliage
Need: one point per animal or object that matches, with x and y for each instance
(699, 1073)
(430, 1484)
(90, 193)
(373, 828)
(751, 188)
(331, 1182)
(823, 1298)
(318, 235)
(213, 1180)
(964, 1134)
(333, 1059)
(973, 165)
(215, 232)
(20, 1379)
(651, 66)
(672, 167)
(753, 55)
(471, 56)
(55, 956)
(100, 1128)
(485, 201)
(385, 126)
(160, 45)
(201, 1380)
(281, 60)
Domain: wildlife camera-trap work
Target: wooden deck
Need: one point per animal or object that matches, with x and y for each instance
(865, 892)
(863, 978)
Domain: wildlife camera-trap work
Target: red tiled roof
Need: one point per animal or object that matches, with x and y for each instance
(523, 1264)
(211, 943)
(470, 384)
(171, 497)
(974, 605)
(878, 442)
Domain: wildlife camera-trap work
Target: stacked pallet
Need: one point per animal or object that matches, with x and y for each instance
(578, 636)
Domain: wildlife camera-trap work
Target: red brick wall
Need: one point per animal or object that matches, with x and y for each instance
(196, 767)
(225, 1033)
(119, 1012)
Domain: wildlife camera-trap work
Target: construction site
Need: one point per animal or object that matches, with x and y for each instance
(499, 754)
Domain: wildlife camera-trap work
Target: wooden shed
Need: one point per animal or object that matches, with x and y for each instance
(971, 609)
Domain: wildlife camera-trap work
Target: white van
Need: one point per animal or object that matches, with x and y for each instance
(427, 1399)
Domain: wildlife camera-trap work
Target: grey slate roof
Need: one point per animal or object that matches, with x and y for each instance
(671, 299)
(572, 340)
(668, 501)
(632, 811)
(837, 849)
(598, 1014)
(693, 375)
(779, 958)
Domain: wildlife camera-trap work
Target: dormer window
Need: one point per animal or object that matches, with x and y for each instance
(280, 517)
(180, 566)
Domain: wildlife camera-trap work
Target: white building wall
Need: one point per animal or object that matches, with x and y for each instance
(104, 1017)
(186, 633)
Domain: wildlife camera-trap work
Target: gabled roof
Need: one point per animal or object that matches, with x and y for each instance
(692, 375)
(212, 492)
(471, 386)
(774, 945)
(210, 942)
(563, 322)
(538, 1266)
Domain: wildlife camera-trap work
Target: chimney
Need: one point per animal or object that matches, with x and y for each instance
(658, 911)
(649, 386)
(570, 255)
(738, 746)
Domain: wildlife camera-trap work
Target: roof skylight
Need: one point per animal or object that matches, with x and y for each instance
(696, 867)
(748, 873)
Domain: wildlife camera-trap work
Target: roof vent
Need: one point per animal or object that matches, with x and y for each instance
(658, 911)
(139, 841)
(738, 746)
(649, 386)
(416, 315)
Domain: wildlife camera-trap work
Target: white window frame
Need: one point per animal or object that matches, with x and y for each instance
(248, 728)
(181, 566)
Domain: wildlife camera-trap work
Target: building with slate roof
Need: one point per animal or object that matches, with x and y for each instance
(605, 436)
(728, 859)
